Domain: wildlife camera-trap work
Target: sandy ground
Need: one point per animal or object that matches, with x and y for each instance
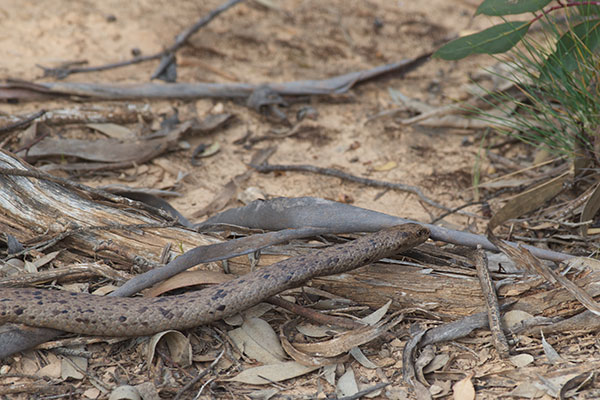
(303, 40)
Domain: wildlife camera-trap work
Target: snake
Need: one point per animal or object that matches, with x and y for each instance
(90, 314)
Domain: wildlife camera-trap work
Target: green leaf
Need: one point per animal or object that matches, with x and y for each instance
(510, 7)
(573, 48)
(497, 39)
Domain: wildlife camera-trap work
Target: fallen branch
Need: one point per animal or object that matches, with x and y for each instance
(20, 90)
(23, 122)
(351, 178)
(282, 213)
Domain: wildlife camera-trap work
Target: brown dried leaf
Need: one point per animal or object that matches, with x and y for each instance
(108, 150)
(513, 318)
(306, 359)
(125, 392)
(377, 315)
(114, 131)
(362, 359)
(347, 340)
(463, 389)
(53, 367)
(551, 354)
(267, 374)
(211, 122)
(258, 341)
(179, 346)
(529, 200)
(72, 367)
(187, 279)
(521, 360)
(346, 385)
(590, 208)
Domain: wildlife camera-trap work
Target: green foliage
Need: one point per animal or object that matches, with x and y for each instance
(510, 7)
(556, 72)
(497, 39)
(503, 37)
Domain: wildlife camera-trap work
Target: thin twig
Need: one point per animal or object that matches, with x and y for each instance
(313, 315)
(185, 35)
(180, 39)
(456, 209)
(363, 392)
(352, 178)
(199, 376)
(23, 122)
(491, 299)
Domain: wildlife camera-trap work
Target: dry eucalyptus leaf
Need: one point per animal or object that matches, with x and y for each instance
(463, 389)
(346, 385)
(108, 150)
(256, 311)
(529, 390)
(439, 361)
(435, 390)
(386, 167)
(362, 359)
(251, 194)
(72, 366)
(53, 368)
(187, 279)
(521, 360)
(345, 341)
(113, 130)
(269, 4)
(329, 373)
(258, 341)
(313, 331)
(178, 344)
(30, 267)
(105, 289)
(91, 393)
(125, 392)
(529, 200)
(40, 262)
(550, 352)
(377, 315)
(267, 374)
(211, 122)
(263, 394)
(303, 358)
(590, 208)
(515, 317)
(425, 357)
(506, 183)
(29, 366)
(210, 356)
(261, 332)
(148, 391)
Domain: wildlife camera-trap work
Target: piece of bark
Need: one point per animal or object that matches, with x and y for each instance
(32, 208)
(451, 294)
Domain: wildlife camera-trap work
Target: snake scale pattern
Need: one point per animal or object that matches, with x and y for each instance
(136, 316)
